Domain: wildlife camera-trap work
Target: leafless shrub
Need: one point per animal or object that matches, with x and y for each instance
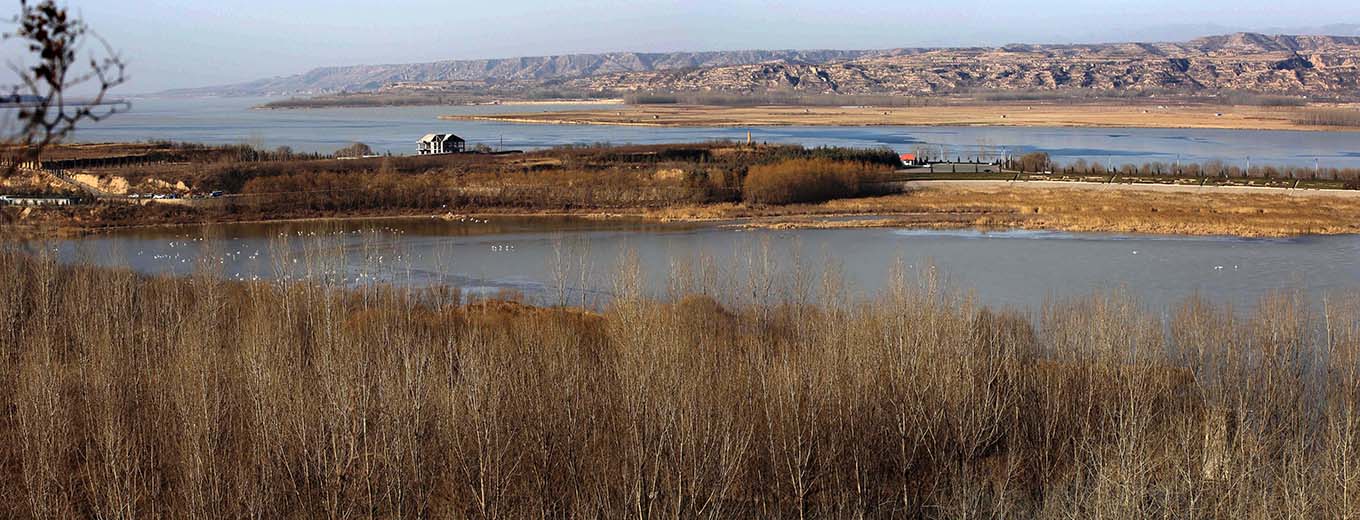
(805, 180)
(128, 396)
(1330, 117)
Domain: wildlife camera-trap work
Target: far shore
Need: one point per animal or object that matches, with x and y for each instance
(331, 102)
(550, 102)
(1142, 114)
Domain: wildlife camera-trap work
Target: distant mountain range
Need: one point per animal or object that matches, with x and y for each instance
(369, 78)
(1322, 65)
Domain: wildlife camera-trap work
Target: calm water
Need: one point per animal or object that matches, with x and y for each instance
(1008, 268)
(538, 257)
(396, 130)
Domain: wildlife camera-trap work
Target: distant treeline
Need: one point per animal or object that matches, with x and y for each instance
(1330, 117)
(1214, 168)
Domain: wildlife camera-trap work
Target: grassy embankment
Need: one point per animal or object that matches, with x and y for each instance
(136, 397)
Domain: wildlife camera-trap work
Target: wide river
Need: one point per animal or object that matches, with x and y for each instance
(546, 259)
(231, 120)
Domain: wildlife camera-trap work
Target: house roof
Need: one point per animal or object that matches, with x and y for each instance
(437, 138)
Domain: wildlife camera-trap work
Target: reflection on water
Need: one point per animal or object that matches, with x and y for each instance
(579, 261)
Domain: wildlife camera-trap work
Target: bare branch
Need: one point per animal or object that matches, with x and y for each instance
(45, 114)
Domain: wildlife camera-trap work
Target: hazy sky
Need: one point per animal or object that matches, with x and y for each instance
(188, 43)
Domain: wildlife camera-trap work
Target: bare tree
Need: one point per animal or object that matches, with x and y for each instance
(55, 38)
(354, 150)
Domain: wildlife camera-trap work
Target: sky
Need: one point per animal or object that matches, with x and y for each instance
(193, 43)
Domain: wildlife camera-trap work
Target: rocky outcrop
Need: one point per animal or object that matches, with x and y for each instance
(1243, 62)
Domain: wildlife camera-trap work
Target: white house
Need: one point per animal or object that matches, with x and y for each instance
(35, 201)
(433, 144)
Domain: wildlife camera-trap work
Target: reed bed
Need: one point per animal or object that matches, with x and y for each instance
(1339, 117)
(777, 396)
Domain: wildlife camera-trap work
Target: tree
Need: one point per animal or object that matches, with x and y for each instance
(55, 40)
(354, 150)
(1034, 162)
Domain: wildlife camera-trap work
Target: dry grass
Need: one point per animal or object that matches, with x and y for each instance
(1107, 115)
(702, 181)
(1074, 207)
(127, 397)
(807, 180)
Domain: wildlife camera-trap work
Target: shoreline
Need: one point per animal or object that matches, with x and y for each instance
(325, 104)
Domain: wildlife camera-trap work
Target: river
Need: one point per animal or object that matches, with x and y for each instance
(552, 260)
(396, 129)
(545, 259)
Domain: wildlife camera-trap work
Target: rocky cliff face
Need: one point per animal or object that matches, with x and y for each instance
(1248, 62)
(1323, 65)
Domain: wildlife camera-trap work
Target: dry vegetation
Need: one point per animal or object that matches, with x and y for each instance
(1046, 206)
(1332, 117)
(807, 180)
(775, 185)
(129, 397)
(566, 179)
(1171, 210)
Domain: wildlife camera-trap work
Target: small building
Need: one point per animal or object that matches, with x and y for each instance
(6, 200)
(435, 144)
(909, 159)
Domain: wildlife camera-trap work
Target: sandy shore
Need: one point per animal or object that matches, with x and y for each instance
(1036, 115)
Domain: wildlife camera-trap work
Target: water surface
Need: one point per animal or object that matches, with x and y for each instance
(396, 129)
(544, 258)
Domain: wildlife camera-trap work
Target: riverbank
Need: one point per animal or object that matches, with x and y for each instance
(986, 205)
(1009, 114)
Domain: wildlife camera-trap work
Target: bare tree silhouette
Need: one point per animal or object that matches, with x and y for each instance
(46, 114)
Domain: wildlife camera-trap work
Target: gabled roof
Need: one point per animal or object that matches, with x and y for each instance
(437, 138)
